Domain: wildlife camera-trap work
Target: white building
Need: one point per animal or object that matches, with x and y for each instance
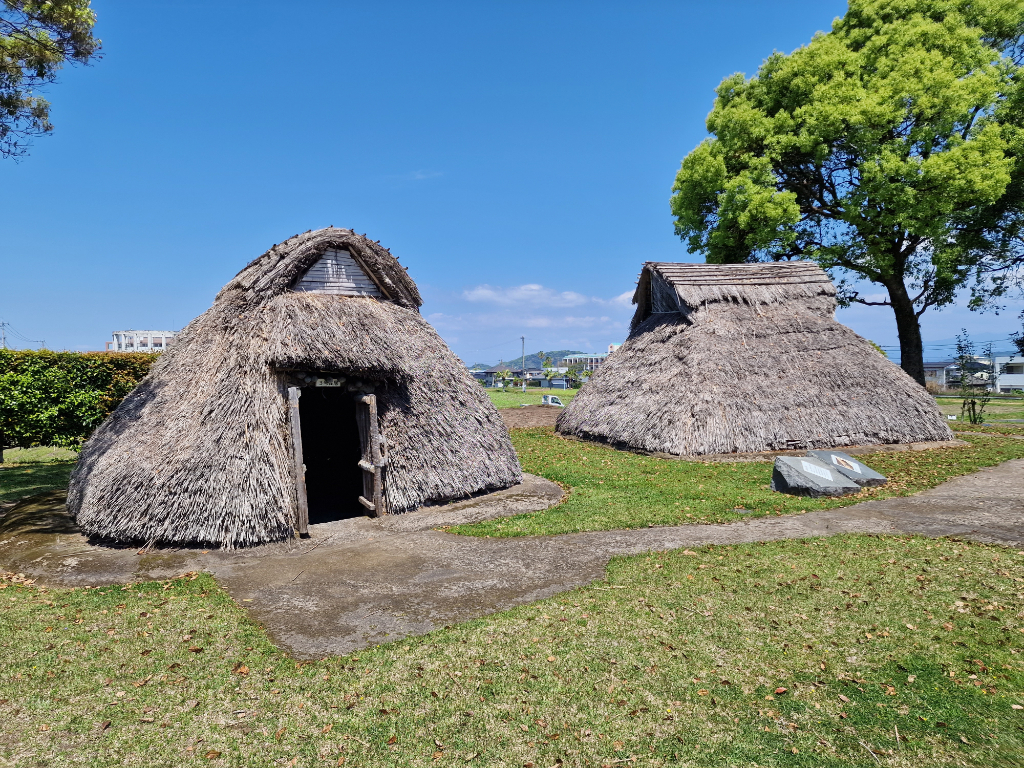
(140, 341)
(590, 361)
(1009, 373)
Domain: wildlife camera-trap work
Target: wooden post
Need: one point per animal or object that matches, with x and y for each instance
(373, 459)
(299, 470)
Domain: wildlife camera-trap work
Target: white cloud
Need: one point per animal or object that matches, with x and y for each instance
(566, 321)
(537, 295)
(531, 294)
(622, 300)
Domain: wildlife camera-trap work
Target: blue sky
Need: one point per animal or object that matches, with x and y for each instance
(517, 157)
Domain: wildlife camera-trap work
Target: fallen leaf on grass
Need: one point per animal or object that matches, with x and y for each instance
(393, 740)
(843, 699)
(280, 732)
(194, 649)
(327, 728)
(240, 669)
(104, 725)
(213, 754)
(780, 691)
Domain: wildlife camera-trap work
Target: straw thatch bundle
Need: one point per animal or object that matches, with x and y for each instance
(201, 451)
(746, 358)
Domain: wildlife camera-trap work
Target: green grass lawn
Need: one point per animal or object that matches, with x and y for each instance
(809, 653)
(22, 480)
(996, 410)
(615, 489)
(28, 471)
(532, 396)
(994, 429)
(43, 454)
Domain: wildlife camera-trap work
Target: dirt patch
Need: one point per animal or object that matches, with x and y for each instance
(530, 416)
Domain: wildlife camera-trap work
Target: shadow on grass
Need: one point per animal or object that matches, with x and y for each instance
(21, 481)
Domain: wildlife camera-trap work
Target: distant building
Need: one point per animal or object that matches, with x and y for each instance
(1009, 373)
(939, 373)
(589, 361)
(140, 341)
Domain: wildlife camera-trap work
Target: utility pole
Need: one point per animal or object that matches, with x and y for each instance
(523, 366)
(3, 334)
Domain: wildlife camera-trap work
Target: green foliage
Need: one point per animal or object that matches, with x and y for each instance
(887, 148)
(37, 37)
(59, 398)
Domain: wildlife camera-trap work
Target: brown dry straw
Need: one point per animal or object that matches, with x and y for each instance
(746, 358)
(201, 452)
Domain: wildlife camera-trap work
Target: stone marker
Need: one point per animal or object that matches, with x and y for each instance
(849, 466)
(809, 477)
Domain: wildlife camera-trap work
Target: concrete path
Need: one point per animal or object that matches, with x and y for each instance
(358, 583)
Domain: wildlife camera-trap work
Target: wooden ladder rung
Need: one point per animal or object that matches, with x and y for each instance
(366, 466)
(368, 504)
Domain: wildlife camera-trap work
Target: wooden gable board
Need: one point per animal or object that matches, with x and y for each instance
(338, 273)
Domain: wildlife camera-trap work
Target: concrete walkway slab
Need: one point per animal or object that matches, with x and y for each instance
(357, 583)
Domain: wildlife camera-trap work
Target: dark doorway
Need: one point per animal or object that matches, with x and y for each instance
(331, 451)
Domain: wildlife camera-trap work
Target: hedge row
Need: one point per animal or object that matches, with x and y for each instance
(59, 398)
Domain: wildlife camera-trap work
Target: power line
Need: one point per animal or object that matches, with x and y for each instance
(14, 332)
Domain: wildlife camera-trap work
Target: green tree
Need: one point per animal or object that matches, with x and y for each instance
(37, 37)
(885, 150)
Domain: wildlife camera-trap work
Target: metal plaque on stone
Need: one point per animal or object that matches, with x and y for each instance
(862, 475)
(807, 476)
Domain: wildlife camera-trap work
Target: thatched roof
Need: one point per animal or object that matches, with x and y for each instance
(200, 451)
(746, 358)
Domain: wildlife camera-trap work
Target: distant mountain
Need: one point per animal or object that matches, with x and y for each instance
(534, 360)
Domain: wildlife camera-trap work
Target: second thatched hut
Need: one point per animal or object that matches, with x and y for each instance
(746, 358)
(312, 390)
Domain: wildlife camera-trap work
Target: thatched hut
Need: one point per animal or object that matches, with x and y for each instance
(310, 391)
(746, 358)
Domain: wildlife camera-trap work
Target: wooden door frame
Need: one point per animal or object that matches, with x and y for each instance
(298, 465)
(374, 459)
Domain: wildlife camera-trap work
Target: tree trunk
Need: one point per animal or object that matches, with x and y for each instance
(909, 329)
